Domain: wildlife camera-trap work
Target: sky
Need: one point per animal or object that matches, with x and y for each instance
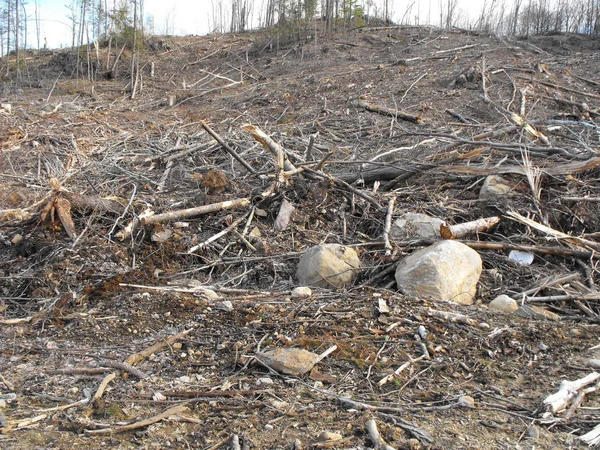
(189, 16)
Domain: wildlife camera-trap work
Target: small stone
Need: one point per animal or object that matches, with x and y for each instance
(17, 238)
(74, 390)
(184, 379)
(264, 380)
(269, 427)
(594, 363)
(261, 212)
(177, 345)
(329, 436)
(255, 233)
(414, 444)
(543, 347)
(158, 397)
(279, 404)
(328, 266)
(162, 236)
(466, 401)
(484, 325)
(301, 292)
(533, 432)
(225, 306)
(537, 313)
(382, 306)
(503, 303)
(416, 226)
(207, 293)
(291, 361)
(493, 187)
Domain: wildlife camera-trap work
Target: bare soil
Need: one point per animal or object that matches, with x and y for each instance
(94, 300)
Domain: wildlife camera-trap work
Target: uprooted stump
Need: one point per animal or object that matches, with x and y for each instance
(57, 207)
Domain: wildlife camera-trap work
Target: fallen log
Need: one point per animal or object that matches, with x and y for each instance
(463, 229)
(395, 113)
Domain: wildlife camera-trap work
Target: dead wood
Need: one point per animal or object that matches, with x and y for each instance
(226, 146)
(460, 230)
(558, 251)
(96, 299)
(344, 185)
(267, 142)
(140, 356)
(196, 211)
(103, 385)
(572, 240)
(398, 114)
(561, 88)
(376, 438)
(567, 393)
(173, 411)
(125, 368)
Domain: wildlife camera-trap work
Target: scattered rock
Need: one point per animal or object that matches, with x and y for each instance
(533, 432)
(261, 212)
(416, 226)
(283, 218)
(466, 401)
(207, 293)
(301, 292)
(537, 313)
(328, 265)
(326, 436)
(594, 363)
(264, 381)
(494, 186)
(382, 306)
(255, 233)
(158, 397)
(414, 444)
(446, 270)
(522, 258)
(291, 361)
(503, 303)
(162, 236)
(225, 305)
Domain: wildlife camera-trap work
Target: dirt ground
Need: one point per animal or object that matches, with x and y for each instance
(78, 299)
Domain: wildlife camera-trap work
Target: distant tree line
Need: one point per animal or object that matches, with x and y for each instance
(121, 24)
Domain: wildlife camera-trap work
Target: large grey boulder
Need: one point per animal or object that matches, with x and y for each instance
(328, 265)
(416, 226)
(446, 270)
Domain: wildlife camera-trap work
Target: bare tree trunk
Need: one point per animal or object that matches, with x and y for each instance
(8, 30)
(134, 55)
(37, 24)
(17, 38)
